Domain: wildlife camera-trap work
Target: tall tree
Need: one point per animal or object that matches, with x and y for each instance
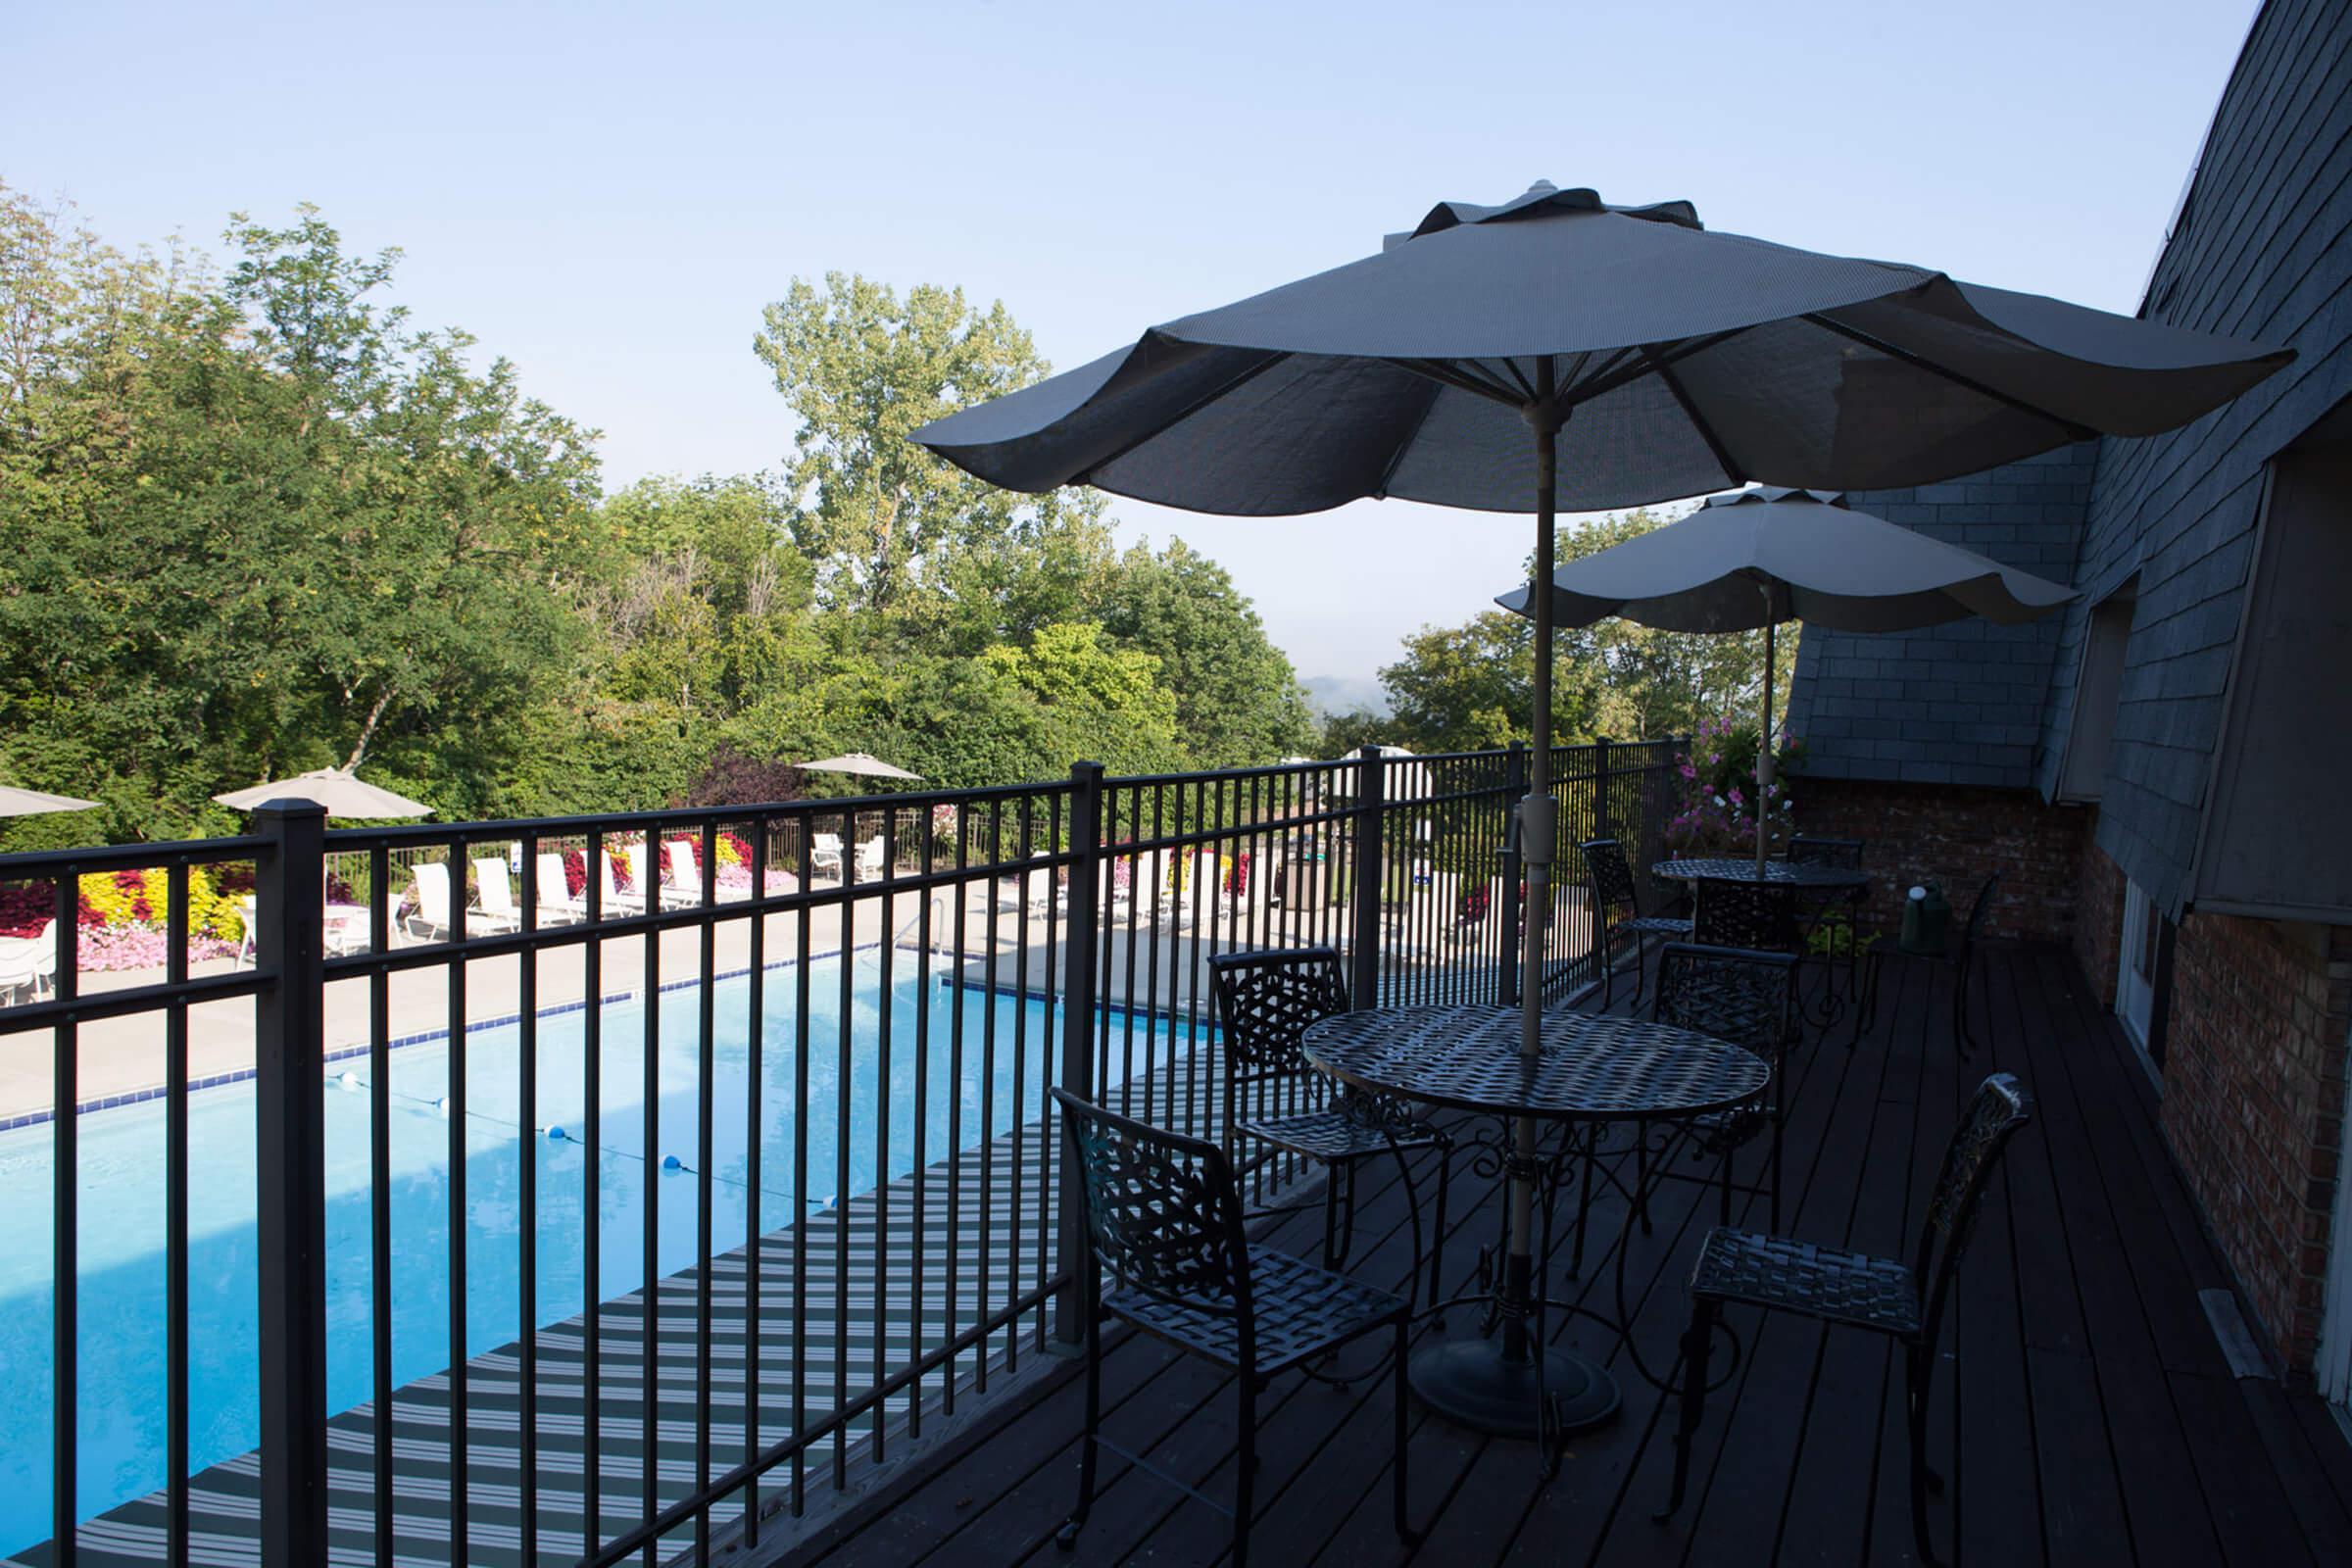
(1237, 700)
(892, 529)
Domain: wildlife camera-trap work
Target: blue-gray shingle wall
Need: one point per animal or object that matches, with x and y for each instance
(2263, 251)
(1962, 703)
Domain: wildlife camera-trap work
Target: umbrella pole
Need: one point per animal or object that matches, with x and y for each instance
(1764, 739)
(1537, 825)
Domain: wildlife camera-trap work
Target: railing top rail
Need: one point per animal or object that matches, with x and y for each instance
(38, 864)
(610, 822)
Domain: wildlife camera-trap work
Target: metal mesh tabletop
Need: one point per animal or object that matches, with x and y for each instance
(1777, 873)
(1591, 1068)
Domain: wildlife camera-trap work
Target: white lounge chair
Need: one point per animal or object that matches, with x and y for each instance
(495, 893)
(826, 853)
(682, 883)
(1032, 890)
(608, 892)
(869, 859)
(558, 904)
(30, 964)
(430, 882)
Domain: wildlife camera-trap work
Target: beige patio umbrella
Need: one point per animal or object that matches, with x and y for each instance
(342, 791)
(15, 801)
(860, 764)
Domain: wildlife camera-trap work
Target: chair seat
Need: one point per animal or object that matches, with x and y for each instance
(1302, 1311)
(1332, 1134)
(1718, 1130)
(1837, 1286)
(1654, 925)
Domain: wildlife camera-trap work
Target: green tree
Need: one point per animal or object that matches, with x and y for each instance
(890, 529)
(1237, 700)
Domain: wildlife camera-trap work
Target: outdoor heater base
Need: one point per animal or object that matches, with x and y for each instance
(1468, 1381)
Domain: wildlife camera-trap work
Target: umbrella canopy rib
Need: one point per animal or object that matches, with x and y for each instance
(2074, 431)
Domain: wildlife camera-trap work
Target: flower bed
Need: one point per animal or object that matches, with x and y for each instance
(120, 917)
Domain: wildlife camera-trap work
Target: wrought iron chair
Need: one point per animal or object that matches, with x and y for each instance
(1265, 1001)
(1847, 854)
(1164, 1220)
(1752, 916)
(1961, 960)
(1613, 890)
(1854, 1289)
(1749, 998)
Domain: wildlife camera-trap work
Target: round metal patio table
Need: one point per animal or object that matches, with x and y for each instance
(1808, 876)
(1591, 1069)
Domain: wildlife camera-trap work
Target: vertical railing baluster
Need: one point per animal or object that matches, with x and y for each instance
(649, 1324)
(705, 1115)
(755, 1102)
(804, 1219)
(592, 1253)
(1364, 938)
(65, 1194)
(526, 1250)
(176, 1221)
(379, 1196)
(878, 1359)
(919, 1226)
(460, 1444)
(290, 1232)
(1077, 1043)
(845, 1072)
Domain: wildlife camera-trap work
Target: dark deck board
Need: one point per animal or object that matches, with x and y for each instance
(2087, 1417)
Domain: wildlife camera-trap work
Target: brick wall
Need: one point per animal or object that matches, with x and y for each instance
(1958, 836)
(2098, 915)
(2253, 1103)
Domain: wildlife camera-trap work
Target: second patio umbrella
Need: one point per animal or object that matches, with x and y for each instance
(341, 792)
(1559, 351)
(1761, 557)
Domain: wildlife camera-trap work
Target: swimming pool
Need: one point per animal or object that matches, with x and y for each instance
(122, 1197)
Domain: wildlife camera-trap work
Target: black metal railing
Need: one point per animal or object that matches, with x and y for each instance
(703, 1154)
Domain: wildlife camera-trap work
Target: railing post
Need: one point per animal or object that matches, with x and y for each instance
(290, 899)
(1364, 951)
(1514, 788)
(1603, 827)
(1074, 1258)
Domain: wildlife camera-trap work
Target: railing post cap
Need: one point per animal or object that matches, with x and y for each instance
(291, 808)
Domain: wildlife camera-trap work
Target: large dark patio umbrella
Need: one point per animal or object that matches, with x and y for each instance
(1757, 557)
(1556, 351)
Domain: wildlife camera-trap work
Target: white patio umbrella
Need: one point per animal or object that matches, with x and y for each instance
(859, 763)
(1759, 557)
(15, 801)
(342, 793)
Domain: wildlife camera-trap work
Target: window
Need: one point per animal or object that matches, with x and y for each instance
(2096, 693)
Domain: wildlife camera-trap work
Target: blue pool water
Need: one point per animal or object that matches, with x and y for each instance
(122, 1197)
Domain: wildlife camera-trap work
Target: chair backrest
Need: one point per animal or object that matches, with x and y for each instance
(828, 843)
(1162, 1212)
(431, 880)
(497, 893)
(1757, 916)
(1999, 1108)
(1605, 868)
(1265, 1001)
(1976, 910)
(1845, 853)
(554, 887)
(870, 855)
(1745, 997)
(684, 875)
(635, 854)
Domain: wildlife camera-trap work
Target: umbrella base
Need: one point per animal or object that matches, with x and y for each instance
(1471, 1383)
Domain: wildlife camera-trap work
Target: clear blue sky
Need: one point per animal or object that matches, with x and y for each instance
(607, 194)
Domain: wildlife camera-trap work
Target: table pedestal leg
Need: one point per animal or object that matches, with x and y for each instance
(1503, 1385)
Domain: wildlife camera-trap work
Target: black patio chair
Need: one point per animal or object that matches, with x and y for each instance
(1845, 854)
(1960, 960)
(1164, 1219)
(1265, 1001)
(1854, 1289)
(1755, 917)
(1749, 998)
(1611, 879)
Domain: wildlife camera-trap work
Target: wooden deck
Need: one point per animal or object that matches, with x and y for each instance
(2091, 1417)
